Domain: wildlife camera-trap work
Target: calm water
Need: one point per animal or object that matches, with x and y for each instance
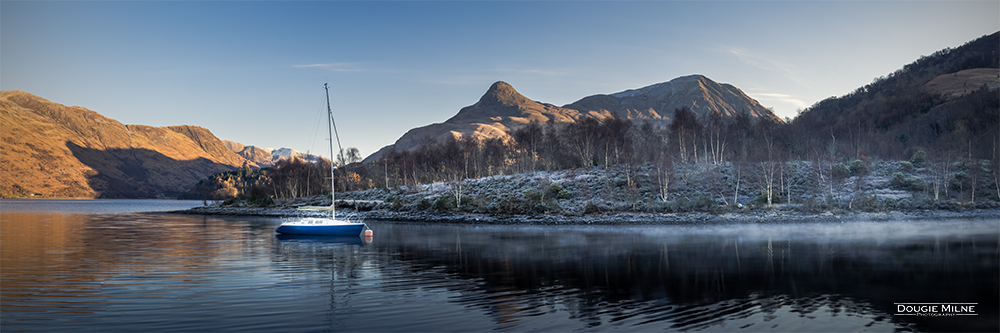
(77, 267)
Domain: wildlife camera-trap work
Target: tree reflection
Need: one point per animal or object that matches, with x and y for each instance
(691, 280)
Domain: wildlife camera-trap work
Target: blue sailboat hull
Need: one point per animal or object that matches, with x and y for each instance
(322, 230)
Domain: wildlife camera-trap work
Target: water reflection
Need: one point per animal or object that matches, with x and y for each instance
(839, 277)
(142, 272)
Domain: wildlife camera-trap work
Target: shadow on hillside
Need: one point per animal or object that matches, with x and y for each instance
(139, 173)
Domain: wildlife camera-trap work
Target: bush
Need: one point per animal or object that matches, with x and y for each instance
(901, 182)
(858, 168)
(556, 191)
(444, 203)
(906, 166)
(704, 203)
(840, 171)
(865, 202)
(761, 201)
(811, 204)
(890, 203)
(260, 201)
(424, 204)
(898, 180)
(532, 196)
(919, 159)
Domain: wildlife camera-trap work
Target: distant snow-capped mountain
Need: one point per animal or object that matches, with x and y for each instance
(266, 157)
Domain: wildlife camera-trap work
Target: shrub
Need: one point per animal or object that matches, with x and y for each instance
(761, 200)
(865, 202)
(812, 205)
(556, 191)
(890, 203)
(919, 159)
(840, 171)
(858, 168)
(906, 166)
(532, 196)
(260, 201)
(705, 203)
(898, 180)
(959, 180)
(444, 203)
(507, 204)
(424, 204)
(901, 182)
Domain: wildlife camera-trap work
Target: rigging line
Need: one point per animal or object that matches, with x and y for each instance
(341, 151)
(315, 131)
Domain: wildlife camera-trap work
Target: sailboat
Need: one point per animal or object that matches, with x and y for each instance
(323, 226)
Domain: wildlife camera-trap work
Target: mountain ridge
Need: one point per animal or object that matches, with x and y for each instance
(58, 151)
(502, 109)
(267, 157)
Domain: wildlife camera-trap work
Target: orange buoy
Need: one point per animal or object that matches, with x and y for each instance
(368, 233)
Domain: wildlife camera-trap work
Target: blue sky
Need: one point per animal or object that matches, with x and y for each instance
(253, 71)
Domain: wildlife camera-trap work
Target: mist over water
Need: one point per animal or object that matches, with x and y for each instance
(159, 272)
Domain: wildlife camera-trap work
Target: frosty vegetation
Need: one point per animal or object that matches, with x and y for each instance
(614, 165)
(804, 186)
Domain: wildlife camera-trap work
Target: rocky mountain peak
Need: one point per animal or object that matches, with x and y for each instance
(501, 94)
(658, 101)
(501, 110)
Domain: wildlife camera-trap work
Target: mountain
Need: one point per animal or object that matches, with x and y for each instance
(941, 103)
(502, 109)
(267, 157)
(658, 101)
(497, 112)
(53, 150)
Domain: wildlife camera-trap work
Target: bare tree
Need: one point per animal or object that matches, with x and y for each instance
(664, 170)
(716, 141)
(685, 127)
(529, 140)
(583, 137)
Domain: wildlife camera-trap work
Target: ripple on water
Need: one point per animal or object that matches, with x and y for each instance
(79, 272)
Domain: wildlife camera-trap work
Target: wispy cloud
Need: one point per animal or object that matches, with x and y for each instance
(767, 63)
(785, 98)
(335, 67)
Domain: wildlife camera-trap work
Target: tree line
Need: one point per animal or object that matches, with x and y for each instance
(288, 179)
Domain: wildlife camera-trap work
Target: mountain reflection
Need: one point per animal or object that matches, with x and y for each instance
(690, 278)
(161, 272)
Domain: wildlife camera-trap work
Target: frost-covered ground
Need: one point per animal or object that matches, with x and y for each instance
(696, 193)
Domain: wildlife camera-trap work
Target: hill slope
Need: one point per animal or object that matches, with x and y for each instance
(939, 102)
(658, 101)
(53, 150)
(502, 109)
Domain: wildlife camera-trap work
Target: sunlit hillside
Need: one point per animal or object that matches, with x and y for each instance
(55, 151)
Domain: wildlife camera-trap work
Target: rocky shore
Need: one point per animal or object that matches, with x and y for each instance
(751, 216)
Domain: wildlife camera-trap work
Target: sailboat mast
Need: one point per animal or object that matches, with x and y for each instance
(329, 126)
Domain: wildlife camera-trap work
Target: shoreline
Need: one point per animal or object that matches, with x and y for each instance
(625, 218)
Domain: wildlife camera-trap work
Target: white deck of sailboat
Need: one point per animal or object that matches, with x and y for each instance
(318, 221)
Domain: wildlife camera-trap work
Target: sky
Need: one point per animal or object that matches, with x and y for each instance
(253, 71)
